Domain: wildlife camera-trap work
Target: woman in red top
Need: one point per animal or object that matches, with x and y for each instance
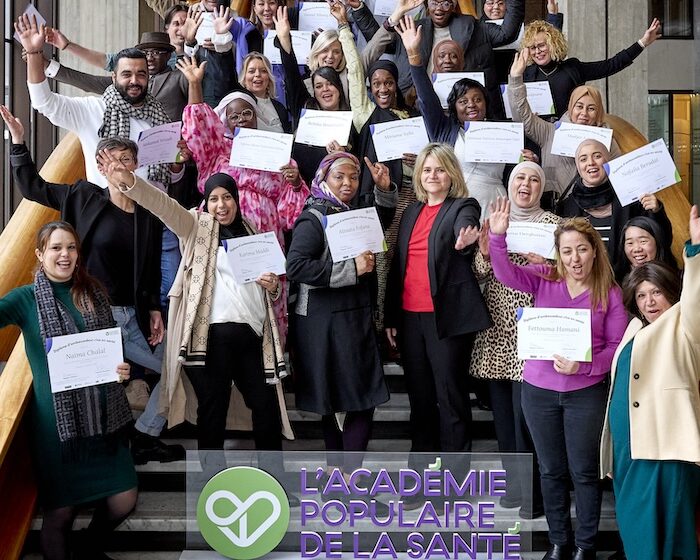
(434, 307)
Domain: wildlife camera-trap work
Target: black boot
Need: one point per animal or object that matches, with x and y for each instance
(583, 554)
(558, 552)
(145, 448)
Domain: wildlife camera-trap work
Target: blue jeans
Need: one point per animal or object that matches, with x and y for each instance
(566, 428)
(169, 263)
(137, 350)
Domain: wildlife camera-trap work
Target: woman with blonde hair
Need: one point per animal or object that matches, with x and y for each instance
(560, 396)
(257, 77)
(546, 49)
(434, 307)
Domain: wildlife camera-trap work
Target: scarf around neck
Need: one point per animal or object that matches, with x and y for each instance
(592, 197)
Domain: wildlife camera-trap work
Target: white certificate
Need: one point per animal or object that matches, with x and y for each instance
(353, 232)
(159, 144)
(393, 139)
(301, 45)
(493, 142)
(515, 45)
(316, 15)
(206, 29)
(252, 255)
(384, 7)
(568, 136)
(84, 359)
(530, 237)
(543, 332)
(539, 97)
(443, 82)
(645, 170)
(259, 149)
(30, 11)
(320, 128)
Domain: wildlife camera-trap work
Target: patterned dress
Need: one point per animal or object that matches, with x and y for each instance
(268, 201)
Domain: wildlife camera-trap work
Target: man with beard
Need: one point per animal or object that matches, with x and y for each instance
(125, 109)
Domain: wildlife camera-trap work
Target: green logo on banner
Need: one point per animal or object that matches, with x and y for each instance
(243, 513)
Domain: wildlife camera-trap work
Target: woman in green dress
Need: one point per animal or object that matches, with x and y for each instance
(79, 436)
(651, 438)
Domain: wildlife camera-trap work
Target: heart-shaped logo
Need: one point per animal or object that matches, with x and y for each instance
(243, 539)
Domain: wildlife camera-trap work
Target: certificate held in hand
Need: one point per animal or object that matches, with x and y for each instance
(539, 97)
(393, 139)
(316, 15)
(159, 144)
(543, 332)
(530, 237)
(568, 136)
(84, 359)
(253, 255)
(320, 128)
(351, 233)
(301, 45)
(260, 149)
(493, 142)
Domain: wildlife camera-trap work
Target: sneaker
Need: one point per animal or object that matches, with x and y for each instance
(137, 392)
(145, 448)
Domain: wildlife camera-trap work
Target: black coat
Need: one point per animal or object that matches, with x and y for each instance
(81, 205)
(457, 300)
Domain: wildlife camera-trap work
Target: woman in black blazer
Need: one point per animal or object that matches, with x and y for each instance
(434, 306)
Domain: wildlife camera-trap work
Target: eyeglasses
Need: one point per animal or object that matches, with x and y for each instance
(540, 47)
(244, 115)
(444, 5)
(492, 3)
(155, 52)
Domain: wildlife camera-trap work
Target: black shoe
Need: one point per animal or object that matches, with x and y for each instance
(558, 552)
(530, 513)
(145, 448)
(86, 546)
(581, 554)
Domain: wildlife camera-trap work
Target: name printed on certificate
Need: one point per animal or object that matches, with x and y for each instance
(316, 15)
(531, 237)
(645, 170)
(351, 233)
(545, 331)
(320, 128)
(444, 81)
(393, 139)
(493, 142)
(568, 136)
(301, 45)
(539, 97)
(260, 149)
(159, 144)
(84, 359)
(254, 255)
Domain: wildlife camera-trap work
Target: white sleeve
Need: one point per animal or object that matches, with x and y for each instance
(222, 42)
(52, 69)
(71, 113)
(191, 51)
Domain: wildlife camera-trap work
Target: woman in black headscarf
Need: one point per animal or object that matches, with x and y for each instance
(220, 330)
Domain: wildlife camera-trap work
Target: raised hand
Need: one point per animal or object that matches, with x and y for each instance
(552, 7)
(694, 225)
(54, 37)
(281, 21)
(467, 236)
(651, 34)
(338, 11)
(189, 29)
(517, 69)
(30, 34)
(500, 215)
(402, 7)
(223, 23)
(410, 35)
(484, 240)
(13, 124)
(380, 174)
(650, 202)
(193, 72)
(114, 170)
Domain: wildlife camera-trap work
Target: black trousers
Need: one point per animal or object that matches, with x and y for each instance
(436, 377)
(234, 354)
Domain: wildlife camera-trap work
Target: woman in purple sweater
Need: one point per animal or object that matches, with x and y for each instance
(564, 401)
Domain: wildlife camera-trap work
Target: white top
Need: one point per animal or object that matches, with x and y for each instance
(83, 116)
(233, 302)
(268, 119)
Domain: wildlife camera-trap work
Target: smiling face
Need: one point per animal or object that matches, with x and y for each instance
(265, 10)
(540, 51)
(471, 106)
(383, 87)
(130, 78)
(240, 114)
(526, 188)
(577, 255)
(222, 206)
(589, 163)
(585, 111)
(157, 60)
(640, 246)
(59, 256)
(174, 30)
(651, 301)
(257, 78)
(326, 94)
(440, 12)
(495, 9)
(331, 56)
(435, 180)
(447, 58)
(344, 180)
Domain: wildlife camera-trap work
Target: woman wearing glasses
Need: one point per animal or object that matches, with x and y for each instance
(546, 48)
(270, 201)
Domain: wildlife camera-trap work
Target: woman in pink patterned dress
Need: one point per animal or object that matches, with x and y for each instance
(269, 201)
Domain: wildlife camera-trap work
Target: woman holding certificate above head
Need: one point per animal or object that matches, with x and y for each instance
(651, 438)
(591, 195)
(434, 307)
(585, 108)
(270, 201)
(641, 241)
(80, 460)
(561, 395)
(337, 365)
(220, 331)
